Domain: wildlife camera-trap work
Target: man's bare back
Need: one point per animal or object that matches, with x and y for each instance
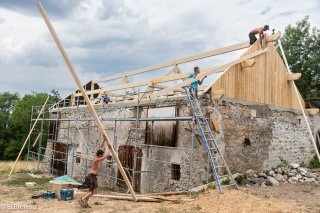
(257, 30)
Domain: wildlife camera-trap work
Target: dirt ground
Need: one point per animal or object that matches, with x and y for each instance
(285, 198)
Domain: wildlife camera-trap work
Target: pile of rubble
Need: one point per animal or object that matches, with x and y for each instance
(292, 173)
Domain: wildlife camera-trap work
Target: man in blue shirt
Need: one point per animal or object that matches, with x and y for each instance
(194, 85)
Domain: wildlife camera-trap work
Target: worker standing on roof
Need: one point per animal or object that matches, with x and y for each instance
(260, 30)
(194, 85)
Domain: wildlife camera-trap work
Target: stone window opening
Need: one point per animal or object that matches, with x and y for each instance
(247, 142)
(175, 171)
(77, 159)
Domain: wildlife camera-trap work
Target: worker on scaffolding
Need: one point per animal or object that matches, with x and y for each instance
(91, 181)
(105, 98)
(194, 85)
(254, 32)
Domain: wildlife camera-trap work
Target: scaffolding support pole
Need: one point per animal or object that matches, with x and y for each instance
(25, 142)
(86, 98)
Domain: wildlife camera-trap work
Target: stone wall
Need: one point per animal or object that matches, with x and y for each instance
(250, 135)
(256, 136)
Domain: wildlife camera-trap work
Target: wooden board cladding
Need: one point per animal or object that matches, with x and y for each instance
(264, 82)
(162, 133)
(126, 157)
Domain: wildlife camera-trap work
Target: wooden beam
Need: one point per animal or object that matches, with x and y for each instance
(86, 98)
(272, 37)
(312, 111)
(126, 86)
(171, 77)
(36, 140)
(209, 72)
(293, 76)
(210, 53)
(31, 130)
(248, 63)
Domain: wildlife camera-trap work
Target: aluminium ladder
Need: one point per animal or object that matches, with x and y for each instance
(210, 144)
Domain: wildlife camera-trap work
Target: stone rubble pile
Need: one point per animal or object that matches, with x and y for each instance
(292, 173)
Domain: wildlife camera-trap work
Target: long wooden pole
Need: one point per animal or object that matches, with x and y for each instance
(86, 98)
(25, 142)
(300, 103)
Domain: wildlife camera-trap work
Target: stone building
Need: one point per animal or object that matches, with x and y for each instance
(252, 108)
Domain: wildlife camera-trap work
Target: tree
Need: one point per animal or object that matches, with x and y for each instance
(8, 102)
(301, 44)
(21, 118)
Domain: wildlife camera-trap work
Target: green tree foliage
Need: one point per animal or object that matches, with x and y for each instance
(301, 44)
(8, 102)
(15, 116)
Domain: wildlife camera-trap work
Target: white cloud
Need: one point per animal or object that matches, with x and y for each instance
(104, 37)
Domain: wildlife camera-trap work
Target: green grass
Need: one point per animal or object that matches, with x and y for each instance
(97, 203)
(20, 180)
(225, 182)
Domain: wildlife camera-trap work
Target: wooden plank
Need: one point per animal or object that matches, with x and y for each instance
(272, 37)
(36, 140)
(293, 76)
(210, 53)
(209, 72)
(171, 77)
(248, 63)
(31, 130)
(86, 98)
(312, 111)
(126, 86)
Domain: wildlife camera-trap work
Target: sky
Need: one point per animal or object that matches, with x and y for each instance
(107, 37)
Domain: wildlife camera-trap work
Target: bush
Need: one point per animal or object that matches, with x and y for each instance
(241, 179)
(314, 163)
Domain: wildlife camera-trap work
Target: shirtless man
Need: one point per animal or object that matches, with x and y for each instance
(91, 181)
(260, 30)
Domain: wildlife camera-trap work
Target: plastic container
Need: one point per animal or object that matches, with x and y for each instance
(66, 194)
(48, 195)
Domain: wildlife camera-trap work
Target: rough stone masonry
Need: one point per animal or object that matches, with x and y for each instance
(250, 135)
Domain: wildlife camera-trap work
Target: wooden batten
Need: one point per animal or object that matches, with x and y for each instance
(272, 37)
(247, 63)
(312, 111)
(293, 76)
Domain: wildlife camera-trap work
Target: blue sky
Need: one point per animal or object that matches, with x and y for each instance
(106, 37)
